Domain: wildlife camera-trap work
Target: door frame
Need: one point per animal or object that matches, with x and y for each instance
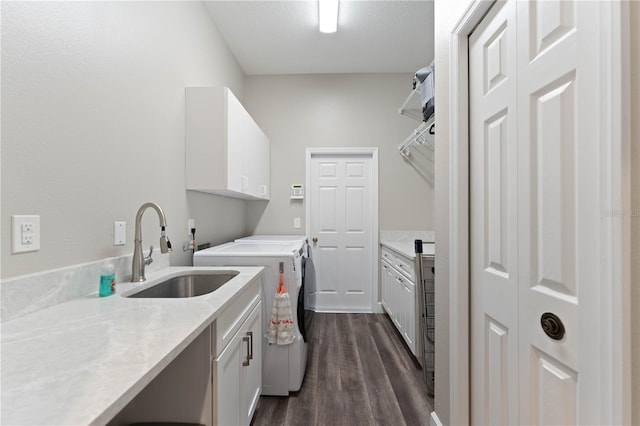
(371, 152)
(614, 229)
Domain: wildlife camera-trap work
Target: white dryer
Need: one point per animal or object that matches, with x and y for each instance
(283, 367)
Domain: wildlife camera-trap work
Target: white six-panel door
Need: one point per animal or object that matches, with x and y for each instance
(341, 231)
(533, 181)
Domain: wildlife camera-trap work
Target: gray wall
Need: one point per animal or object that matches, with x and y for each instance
(93, 125)
(343, 110)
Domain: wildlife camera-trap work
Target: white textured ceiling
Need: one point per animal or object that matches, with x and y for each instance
(282, 37)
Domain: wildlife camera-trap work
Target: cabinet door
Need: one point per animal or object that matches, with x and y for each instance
(409, 303)
(227, 370)
(387, 282)
(235, 144)
(251, 372)
(256, 160)
(398, 293)
(238, 374)
(263, 165)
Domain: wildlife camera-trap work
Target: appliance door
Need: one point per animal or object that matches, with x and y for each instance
(305, 315)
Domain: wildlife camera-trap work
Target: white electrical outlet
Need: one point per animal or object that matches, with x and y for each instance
(119, 233)
(27, 238)
(25, 233)
(296, 222)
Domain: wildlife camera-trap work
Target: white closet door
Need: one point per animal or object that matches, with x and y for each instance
(535, 204)
(493, 185)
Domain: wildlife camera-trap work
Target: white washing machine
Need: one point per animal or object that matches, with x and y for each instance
(305, 298)
(283, 367)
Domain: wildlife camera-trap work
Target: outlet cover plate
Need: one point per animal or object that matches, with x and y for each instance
(119, 233)
(25, 233)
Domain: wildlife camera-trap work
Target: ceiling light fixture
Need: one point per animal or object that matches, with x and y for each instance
(328, 15)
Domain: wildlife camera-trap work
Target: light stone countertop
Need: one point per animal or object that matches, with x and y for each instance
(407, 248)
(83, 361)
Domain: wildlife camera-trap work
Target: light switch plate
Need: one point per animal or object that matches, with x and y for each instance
(25, 233)
(119, 233)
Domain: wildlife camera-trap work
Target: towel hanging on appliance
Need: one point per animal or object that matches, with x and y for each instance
(280, 328)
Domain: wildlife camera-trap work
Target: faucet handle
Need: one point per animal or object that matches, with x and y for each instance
(148, 259)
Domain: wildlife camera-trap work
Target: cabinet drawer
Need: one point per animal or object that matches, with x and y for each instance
(405, 266)
(229, 322)
(388, 255)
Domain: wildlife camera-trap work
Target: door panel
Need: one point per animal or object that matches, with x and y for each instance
(354, 200)
(493, 184)
(355, 282)
(553, 391)
(498, 375)
(496, 179)
(552, 185)
(550, 22)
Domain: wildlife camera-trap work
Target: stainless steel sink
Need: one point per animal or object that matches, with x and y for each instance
(187, 285)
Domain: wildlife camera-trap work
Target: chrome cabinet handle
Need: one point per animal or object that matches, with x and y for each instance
(250, 334)
(314, 239)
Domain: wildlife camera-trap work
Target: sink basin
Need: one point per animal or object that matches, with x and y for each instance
(187, 285)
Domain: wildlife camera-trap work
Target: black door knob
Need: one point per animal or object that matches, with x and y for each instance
(552, 326)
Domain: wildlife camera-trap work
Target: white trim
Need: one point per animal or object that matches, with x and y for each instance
(615, 229)
(615, 179)
(435, 420)
(372, 152)
(459, 383)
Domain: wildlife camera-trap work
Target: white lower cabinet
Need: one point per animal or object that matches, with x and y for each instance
(238, 374)
(237, 365)
(399, 297)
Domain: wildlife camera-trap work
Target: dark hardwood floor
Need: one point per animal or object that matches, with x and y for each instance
(359, 372)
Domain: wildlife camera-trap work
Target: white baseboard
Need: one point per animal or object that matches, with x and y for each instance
(435, 421)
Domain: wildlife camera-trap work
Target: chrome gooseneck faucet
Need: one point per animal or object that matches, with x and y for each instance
(139, 262)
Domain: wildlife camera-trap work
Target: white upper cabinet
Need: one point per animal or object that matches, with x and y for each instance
(226, 152)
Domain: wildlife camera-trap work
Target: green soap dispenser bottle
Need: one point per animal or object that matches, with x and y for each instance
(107, 280)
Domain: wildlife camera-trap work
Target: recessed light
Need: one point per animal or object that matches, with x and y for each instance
(328, 15)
